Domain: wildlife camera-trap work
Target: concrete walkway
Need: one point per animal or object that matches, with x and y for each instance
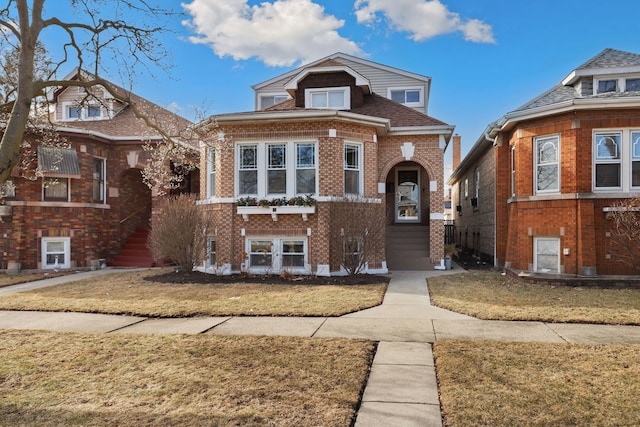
(402, 388)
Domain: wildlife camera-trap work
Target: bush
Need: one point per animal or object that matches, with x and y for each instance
(180, 232)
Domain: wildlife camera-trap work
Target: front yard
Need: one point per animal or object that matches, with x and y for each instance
(151, 293)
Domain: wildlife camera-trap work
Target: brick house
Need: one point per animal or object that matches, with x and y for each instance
(81, 201)
(561, 162)
(323, 131)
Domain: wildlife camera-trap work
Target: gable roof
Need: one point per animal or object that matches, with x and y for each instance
(337, 56)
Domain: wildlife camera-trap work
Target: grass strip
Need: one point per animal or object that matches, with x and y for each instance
(488, 383)
(52, 379)
(491, 296)
(129, 293)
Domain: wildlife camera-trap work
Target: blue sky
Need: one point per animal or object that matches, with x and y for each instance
(485, 58)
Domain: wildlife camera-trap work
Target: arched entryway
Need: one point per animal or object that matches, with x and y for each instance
(408, 204)
(134, 212)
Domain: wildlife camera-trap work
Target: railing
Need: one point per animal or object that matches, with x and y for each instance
(122, 221)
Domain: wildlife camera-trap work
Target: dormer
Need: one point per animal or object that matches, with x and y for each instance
(336, 87)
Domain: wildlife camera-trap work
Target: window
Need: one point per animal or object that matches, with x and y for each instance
(608, 163)
(616, 160)
(605, 86)
(98, 180)
(546, 254)
(55, 189)
(75, 111)
(466, 188)
(336, 98)
(632, 85)
(547, 164)
(269, 100)
(212, 261)
(56, 252)
(476, 187)
(292, 253)
(276, 254)
(305, 168)
(211, 166)
(513, 171)
(352, 175)
(277, 169)
(248, 169)
(411, 96)
(264, 169)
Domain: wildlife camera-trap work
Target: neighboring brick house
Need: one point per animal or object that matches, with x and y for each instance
(473, 200)
(80, 202)
(562, 162)
(329, 136)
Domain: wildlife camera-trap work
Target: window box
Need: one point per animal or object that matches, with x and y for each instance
(274, 211)
(5, 210)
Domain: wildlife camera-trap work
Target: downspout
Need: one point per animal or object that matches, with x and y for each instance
(495, 194)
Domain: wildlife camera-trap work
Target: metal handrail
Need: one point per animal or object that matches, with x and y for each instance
(132, 215)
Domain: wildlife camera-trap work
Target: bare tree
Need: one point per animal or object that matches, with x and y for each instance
(357, 232)
(122, 34)
(180, 232)
(625, 234)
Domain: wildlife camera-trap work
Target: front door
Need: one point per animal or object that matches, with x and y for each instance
(407, 205)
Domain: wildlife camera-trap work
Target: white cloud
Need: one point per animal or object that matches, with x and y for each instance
(278, 33)
(423, 19)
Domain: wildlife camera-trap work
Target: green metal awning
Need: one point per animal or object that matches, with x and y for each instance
(58, 162)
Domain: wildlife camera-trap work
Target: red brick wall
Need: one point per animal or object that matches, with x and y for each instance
(576, 214)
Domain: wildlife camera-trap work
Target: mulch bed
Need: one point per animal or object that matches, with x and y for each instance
(273, 279)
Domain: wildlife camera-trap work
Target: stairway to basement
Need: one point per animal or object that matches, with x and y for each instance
(135, 253)
(408, 247)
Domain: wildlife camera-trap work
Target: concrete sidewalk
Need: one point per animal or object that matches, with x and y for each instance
(402, 388)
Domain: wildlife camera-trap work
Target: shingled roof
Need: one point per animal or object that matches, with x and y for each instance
(607, 59)
(375, 106)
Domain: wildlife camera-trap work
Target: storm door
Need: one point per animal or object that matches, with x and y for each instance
(407, 204)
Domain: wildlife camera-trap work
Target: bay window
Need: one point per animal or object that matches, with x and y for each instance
(211, 170)
(352, 169)
(282, 169)
(547, 178)
(616, 160)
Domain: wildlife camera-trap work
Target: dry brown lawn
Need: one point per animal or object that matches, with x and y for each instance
(16, 279)
(130, 293)
(487, 383)
(489, 295)
(54, 379)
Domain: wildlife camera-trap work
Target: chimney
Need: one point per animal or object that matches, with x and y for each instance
(456, 152)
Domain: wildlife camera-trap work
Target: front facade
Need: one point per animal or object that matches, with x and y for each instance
(75, 201)
(277, 178)
(563, 162)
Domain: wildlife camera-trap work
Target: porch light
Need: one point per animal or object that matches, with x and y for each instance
(132, 158)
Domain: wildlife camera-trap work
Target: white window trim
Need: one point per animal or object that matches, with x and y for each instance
(277, 256)
(536, 240)
(211, 170)
(272, 95)
(104, 182)
(625, 160)
(67, 252)
(262, 167)
(409, 88)
(84, 112)
(360, 168)
(620, 79)
(513, 171)
(346, 93)
(536, 164)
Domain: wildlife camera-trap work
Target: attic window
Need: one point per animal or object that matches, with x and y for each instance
(72, 111)
(337, 98)
(269, 100)
(632, 85)
(605, 86)
(409, 96)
